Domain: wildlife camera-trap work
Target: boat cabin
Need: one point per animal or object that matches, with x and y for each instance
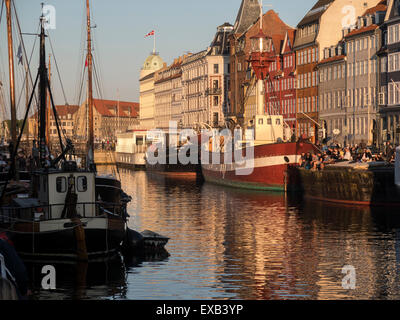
(267, 128)
(56, 190)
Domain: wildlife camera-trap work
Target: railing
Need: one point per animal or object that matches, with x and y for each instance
(214, 91)
(53, 212)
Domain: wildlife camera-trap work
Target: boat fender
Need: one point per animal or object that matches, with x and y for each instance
(397, 168)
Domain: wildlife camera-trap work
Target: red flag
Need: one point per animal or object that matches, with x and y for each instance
(152, 33)
(86, 64)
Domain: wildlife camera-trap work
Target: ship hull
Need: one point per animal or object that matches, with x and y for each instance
(274, 168)
(57, 239)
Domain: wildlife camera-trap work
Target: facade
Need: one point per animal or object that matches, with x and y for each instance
(389, 68)
(147, 95)
(362, 44)
(332, 95)
(109, 118)
(249, 13)
(168, 95)
(349, 82)
(67, 118)
(320, 28)
(205, 82)
(280, 89)
(242, 93)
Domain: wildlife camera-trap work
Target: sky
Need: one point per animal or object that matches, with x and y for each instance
(120, 46)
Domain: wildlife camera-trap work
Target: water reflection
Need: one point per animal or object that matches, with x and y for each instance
(234, 244)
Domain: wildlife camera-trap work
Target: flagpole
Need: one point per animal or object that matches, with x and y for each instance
(154, 50)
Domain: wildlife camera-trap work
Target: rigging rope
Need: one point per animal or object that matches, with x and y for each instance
(58, 71)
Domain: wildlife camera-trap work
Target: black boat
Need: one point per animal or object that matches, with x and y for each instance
(64, 215)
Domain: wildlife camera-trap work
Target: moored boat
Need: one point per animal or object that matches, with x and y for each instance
(273, 169)
(61, 217)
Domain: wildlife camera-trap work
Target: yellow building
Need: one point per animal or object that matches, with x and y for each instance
(147, 95)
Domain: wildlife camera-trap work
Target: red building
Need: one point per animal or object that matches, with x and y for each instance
(280, 88)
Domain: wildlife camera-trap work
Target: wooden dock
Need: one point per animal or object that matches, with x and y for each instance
(103, 157)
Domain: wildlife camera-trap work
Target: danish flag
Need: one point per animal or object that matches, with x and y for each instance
(152, 33)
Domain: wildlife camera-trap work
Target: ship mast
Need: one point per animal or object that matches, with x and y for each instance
(90, 142)
(42, 94)
(12, 76)
(49, 108)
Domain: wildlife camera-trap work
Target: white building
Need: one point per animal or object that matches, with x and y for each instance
(205, 83)
(147, 95)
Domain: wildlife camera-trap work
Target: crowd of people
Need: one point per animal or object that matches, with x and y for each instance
(24, 161)
(336, 153)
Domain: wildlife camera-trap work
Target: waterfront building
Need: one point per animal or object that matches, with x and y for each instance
(248, 14)
(363, 43)
(205, 83)
(280, 89)
(242, 93)
(66, 117)
(168, 95)
(389, 68)
(109, 118)
(280, 92)
(152, 64)
(332, 94)
(320, 28)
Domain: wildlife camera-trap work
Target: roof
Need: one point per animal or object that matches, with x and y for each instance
(381, 6)
(362, 30)
(194, 57)
(64, 110)
(153, 62)
(332, 59)
(149, 76)
(316, 12)
(249, 12)
(278, 40)
(109, 108)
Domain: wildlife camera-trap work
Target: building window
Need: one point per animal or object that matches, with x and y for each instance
(216, 101)
(216, 68)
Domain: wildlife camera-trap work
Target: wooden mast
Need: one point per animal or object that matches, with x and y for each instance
(90, 143)
(12, 76)
(48, 114)
(42, 95)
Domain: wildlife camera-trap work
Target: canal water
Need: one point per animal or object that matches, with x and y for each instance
(235, 244)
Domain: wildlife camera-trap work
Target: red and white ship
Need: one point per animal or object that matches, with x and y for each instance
(274, 160)
(274, 168)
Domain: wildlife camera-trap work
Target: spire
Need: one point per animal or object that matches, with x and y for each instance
(248, 13)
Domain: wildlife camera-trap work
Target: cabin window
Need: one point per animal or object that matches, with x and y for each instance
(82, 184)
(278, 122)
(61, 184)
(139, 141)
(269, 121)
(260, 121)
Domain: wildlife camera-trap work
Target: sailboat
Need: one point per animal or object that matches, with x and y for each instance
(61, 217)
